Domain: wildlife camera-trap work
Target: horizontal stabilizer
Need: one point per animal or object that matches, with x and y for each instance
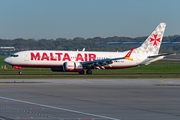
(164, 54)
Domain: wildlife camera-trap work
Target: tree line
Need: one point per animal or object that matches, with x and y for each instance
(90, 44)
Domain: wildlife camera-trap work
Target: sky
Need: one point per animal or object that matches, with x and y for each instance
(51, 19)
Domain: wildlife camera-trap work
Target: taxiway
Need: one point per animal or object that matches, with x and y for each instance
(89, 99)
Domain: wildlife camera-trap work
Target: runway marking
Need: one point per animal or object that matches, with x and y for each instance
(24, 117)
(21, 110)
(37, 108)
(58, 108)
(85, 119)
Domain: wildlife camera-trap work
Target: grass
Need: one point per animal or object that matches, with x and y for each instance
(154, 68)
(90, 77)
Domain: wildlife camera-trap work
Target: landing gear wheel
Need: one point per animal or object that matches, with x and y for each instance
(82, 72)
(20, 72)
(89, 71)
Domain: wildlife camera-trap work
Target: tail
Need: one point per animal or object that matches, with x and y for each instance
(152, 44)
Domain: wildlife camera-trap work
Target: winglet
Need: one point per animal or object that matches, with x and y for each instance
(128, 55)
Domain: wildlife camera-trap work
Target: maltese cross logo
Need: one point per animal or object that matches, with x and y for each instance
(155, 39)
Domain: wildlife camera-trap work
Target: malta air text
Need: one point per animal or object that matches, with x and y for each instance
(62, 57)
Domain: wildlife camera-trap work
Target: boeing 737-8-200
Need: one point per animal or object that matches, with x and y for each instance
(77, 61)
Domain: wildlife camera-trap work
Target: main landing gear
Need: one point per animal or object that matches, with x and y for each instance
(89, 71)
(82, 72)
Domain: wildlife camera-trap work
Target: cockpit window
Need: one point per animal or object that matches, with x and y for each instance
(14, 55)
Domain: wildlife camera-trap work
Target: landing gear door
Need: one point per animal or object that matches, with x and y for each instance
(26, 57)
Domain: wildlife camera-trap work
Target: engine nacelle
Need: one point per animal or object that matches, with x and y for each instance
(72, 67)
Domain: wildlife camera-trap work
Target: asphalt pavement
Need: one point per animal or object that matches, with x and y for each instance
(90, 99)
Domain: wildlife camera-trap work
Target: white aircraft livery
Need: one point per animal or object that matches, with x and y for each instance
(77, 61)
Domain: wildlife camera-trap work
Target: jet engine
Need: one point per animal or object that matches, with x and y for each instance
(72, 67)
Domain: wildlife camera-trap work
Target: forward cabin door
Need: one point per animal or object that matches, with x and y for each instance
(26, 56)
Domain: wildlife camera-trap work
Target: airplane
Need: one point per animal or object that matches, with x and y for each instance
(77, 61)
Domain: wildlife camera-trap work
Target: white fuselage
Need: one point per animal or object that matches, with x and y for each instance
(49, 58)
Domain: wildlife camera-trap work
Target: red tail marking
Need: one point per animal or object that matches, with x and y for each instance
(155, 39)
(129, 53)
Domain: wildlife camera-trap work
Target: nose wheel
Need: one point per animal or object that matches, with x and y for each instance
(20, 72)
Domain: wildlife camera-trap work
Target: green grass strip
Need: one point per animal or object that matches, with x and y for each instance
(90, 77)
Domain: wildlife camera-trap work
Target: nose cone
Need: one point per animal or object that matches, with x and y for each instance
(8, 60)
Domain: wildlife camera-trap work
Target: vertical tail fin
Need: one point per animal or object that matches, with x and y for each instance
(152, 44)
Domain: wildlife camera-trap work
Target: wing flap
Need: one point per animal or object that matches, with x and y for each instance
(104, 62)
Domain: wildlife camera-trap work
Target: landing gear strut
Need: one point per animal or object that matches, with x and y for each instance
(89, 71)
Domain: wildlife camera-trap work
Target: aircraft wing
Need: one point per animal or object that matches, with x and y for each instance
(104, 62)
(164, 54)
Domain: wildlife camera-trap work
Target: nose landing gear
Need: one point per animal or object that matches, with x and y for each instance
(20, 72)
(18, 67)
